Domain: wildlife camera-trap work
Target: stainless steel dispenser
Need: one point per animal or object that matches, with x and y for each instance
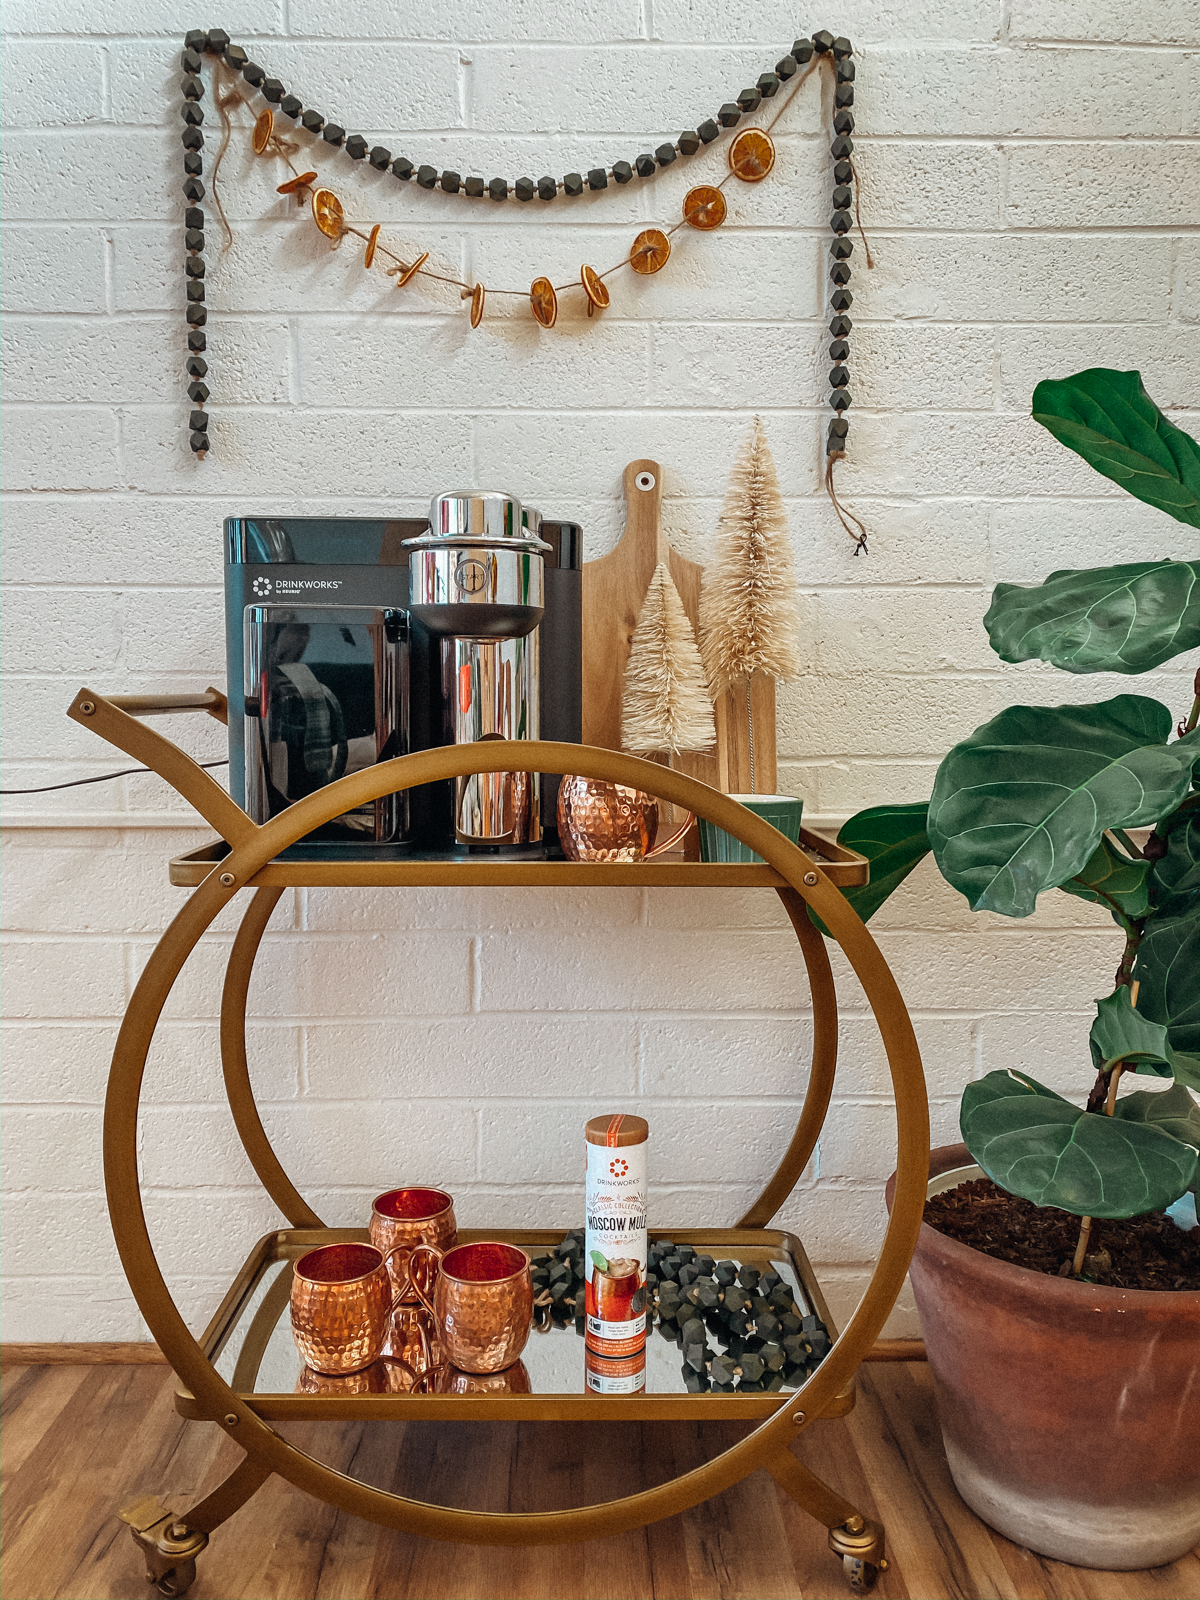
(477, 584)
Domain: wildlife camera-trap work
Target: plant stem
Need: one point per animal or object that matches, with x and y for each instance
(1085, 1228)
(1133, 937)
(1194, 715)
(1126, 842)
(1114, 1079)
(1110, 1105)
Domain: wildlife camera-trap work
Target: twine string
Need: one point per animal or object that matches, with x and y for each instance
(226, 94)
(854, 526)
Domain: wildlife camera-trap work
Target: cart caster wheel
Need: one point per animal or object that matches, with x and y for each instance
(178, 1580)
(860, 1575)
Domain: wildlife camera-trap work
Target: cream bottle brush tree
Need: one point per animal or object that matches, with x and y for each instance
(750, 619)
(664, 700)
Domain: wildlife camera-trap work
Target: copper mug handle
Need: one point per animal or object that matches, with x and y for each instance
(411, 1281)
(399, 1299)
(674, 839)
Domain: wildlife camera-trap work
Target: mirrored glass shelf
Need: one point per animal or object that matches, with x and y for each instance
(249, 1341)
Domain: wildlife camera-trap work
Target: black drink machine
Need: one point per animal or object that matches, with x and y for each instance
(334, 664)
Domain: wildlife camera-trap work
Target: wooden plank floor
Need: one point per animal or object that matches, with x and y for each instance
(77, 1442)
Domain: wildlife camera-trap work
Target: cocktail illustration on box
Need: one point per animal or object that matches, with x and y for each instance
(612, 1290)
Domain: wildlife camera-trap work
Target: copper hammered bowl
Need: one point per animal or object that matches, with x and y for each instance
(482, 1304)
(402, 1218)
(341, 1307)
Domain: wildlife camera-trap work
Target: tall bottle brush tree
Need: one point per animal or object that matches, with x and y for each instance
(1043, 797)
(749, 616)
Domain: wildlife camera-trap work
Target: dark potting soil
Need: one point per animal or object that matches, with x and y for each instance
(1147, 1252)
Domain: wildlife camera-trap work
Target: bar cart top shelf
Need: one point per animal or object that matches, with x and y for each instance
(333, 866)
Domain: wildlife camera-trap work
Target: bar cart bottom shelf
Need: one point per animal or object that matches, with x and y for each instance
(249, 1341)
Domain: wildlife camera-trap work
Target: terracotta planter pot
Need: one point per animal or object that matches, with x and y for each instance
(1070, 1413)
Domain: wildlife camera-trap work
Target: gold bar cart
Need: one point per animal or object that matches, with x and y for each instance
(238, 1375)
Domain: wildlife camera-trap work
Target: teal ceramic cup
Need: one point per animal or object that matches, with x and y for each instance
(782, 811)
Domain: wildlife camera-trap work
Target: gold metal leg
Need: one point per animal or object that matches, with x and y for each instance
(228, 1497)
(820, 1073)
(236, 1067)
(853, 1537)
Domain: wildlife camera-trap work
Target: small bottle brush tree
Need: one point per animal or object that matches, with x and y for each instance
(749, 616)
(664, 701)
(1042, 797)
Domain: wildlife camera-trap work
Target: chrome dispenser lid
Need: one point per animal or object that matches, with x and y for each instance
(477, 517)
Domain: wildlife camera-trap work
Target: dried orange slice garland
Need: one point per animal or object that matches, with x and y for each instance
(751, 158)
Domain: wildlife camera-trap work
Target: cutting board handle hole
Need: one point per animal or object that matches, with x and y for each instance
(644, 480)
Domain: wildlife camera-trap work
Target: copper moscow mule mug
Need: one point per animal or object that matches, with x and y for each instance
(403, 1218)
(482, 1303)
(342, 1304)
(601, 821)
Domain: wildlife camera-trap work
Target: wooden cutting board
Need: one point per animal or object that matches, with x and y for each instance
(614, 587)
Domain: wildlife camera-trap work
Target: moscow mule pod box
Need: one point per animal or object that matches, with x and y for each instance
(614, 1245)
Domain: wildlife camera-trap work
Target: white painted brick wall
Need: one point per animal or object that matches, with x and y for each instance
(1032, 190)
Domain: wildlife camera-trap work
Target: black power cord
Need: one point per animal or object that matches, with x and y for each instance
(102, 777)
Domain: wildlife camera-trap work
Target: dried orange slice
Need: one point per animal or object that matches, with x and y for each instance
(650, 252)
(369, 252)
(263, 129)
(478, 295)
(544, 301)
(295, 184)
(752, 155)
(595, 288)
(704, 207)
(406, 273)
(328, 214)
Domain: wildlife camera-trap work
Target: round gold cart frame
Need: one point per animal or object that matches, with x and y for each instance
(171, 1543)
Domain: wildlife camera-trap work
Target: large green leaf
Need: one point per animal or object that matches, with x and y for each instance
(1022, 804)
(1167, 968)
(1175, 877)
(1120, 1033)
(1108, 418)
(1034, 1143)
(1113, 880)
(894, 841)
(1173, 1110)
(1106, 619)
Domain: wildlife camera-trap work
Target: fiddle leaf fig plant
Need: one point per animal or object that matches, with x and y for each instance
(1044, 797)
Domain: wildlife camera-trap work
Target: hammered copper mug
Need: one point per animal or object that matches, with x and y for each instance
(402, 1218)
(482, 1304)
(600, 821)
(342, 1305)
